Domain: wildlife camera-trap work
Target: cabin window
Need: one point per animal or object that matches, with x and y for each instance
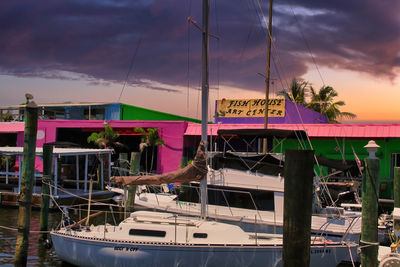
(232, 197)
(200, 235)
(144, 232)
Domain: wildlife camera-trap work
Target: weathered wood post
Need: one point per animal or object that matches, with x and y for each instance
(46, 180)
(396, 187)
(124, 171)
(298, 173)
(134, 170)
(27, 180)
(369, 234)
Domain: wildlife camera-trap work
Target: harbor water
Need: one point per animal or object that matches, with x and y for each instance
(38, 254)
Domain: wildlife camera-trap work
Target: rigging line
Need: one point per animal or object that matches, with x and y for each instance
(305, 40)
(188, 59)
(275, 50)
(249, 33)
(130, 68)
(218, 46)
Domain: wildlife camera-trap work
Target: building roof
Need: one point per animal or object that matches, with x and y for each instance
(11, 127)
(56, 151)
(366, 130)
(65, 104)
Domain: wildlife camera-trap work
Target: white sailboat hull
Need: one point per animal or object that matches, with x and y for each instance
(98, 252)
(333, 228)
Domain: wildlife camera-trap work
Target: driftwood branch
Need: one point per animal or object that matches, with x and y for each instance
(195, 171)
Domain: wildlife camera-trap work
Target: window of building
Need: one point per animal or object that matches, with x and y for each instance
(395, 162)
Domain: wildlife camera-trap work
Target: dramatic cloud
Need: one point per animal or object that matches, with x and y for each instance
(100, 41)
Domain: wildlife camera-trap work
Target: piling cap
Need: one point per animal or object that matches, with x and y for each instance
(371, 144)
(372, 147)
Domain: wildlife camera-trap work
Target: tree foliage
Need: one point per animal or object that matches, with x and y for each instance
(149, 139)
(322, 101)
(296, 92)
(105, 139)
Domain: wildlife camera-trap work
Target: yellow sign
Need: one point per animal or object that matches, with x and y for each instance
(240, 108)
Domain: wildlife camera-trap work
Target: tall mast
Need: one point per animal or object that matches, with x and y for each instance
(267, 76)
(204, 96)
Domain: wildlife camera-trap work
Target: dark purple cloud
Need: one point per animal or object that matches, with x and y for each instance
(97, 39)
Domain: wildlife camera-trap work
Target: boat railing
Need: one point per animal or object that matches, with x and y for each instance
(107, 222)
(223, 193)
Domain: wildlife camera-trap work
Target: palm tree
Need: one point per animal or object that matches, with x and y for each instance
(296, 92)
(323, 102)
(106, 139)
(150, 138)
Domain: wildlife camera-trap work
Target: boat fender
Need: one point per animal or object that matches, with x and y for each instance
(48, 243)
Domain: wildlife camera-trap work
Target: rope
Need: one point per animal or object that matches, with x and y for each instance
(351, 255)
(367, 244)
(72, 194)
(31, 231)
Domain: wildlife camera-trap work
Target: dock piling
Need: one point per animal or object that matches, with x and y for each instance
(27, 181)
(134, 169)
(369, 231)
(396, 187)
(46, 180)
(298, 173)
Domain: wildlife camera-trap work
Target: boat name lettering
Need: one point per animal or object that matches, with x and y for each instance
(320, 251)
(126, 249)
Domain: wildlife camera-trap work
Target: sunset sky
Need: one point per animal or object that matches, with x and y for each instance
(93, 51)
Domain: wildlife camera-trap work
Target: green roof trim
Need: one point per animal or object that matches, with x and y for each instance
(129, 112)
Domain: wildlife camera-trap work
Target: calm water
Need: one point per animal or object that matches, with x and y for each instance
(38, 255)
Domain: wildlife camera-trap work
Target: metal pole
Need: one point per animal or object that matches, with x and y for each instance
(27, 180)
(267, 76)
(77, 171)
(56, 172)
(46, 180)
(101, 172)
(19, 173)
(298, 173)
(6, 169)
(204, 96)
(86, 170)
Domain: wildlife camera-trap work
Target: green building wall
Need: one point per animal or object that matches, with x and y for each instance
(332, 148)
(129, 112)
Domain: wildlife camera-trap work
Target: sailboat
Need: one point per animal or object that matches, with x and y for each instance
(163, 239)
(247, 189)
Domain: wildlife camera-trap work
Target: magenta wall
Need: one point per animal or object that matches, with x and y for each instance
(172, 132)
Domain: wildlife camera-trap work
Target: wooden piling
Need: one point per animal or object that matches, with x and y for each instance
(369, 235)
(27, 181)
(134, 170)
(298, 173)
(396, 187)
(46, 180)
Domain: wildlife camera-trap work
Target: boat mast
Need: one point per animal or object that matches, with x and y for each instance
(204, 97)
(267, 76)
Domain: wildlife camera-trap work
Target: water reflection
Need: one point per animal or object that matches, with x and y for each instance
(38, 255)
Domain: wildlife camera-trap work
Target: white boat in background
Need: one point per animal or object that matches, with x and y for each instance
(259, 201)
(163, 239)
